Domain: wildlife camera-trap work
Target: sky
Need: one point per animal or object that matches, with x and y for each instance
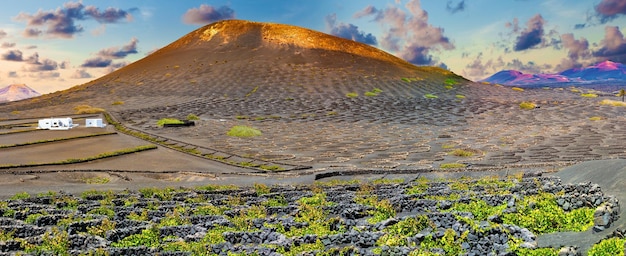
(54, 45)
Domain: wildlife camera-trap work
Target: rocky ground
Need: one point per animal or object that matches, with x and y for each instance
(486, 216)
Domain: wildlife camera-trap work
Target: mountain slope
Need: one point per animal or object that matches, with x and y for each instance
(606, 71)
(17, 92)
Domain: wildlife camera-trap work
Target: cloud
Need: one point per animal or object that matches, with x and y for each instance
(64, 64)
(33, 64)
(96, 62)
(369, 10)
(529, 67)
(477, 70)
(576, 48)
(409, 34)
(206, 14)
(613, 46)
(348, 31)
(80, 74)
(44, 75)
(607, 10)
(109, 15)
(13, 55)
(7, 45)
(120, 52)
(454, 8)
(61, 22)
(2, 34)
(532, 34)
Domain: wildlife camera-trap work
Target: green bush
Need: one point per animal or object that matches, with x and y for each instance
(431, 96)
(611, 246)
(243, 131)
(192, 117)
(164, 121)
(352, 95)
(527, 105)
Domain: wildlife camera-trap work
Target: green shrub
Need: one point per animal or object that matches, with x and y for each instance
(21, 195)
(371, 94)
(541, 214)
(192, 117)
(352, 95)
(459, 96)
(451, 81)
(164, 121)
(431, 96)
(527, 105)
(243, 131)
(611, 246)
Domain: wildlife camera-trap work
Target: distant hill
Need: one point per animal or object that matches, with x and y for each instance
(17, 92)
(602, 72)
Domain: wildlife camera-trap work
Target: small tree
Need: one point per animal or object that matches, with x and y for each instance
(622, 93)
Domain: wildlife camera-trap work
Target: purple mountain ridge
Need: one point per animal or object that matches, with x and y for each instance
(17, 92)
(606, 71)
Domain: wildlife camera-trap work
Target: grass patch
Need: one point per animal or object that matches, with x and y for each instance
(527, 105)
(430, 96)
(463, 152)
(86, 109)
(517, 89)
(451, 81)
(119, 102)
(243, 131)
(596, 118)
(164, 121)
(452, 165)
(459, 96)
(352, 95)
(588, 95)
(96, 180)
(613, 103)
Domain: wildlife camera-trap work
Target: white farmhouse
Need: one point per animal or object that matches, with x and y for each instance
(95, 122)
(56, 124)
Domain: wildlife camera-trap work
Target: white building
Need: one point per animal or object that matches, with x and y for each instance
(95, 122)
(56, 124)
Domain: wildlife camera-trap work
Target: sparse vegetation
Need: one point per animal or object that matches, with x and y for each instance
(596, 118)
(243, 131)
(517, 89)
(452, 165)
(589, 95)
(119, 102)
(430, 96)
(459, 96)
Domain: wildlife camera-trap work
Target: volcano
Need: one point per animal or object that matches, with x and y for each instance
(232, 58)
(17, 92)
